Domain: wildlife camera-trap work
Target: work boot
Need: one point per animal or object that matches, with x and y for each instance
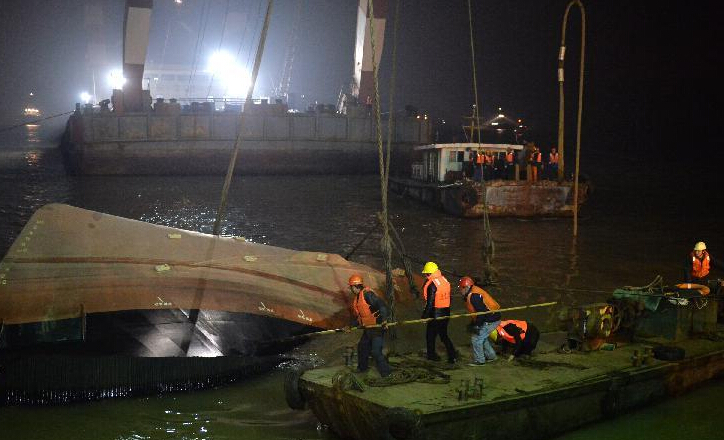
(433, 357)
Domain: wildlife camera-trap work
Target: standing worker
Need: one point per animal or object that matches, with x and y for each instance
(553, 163)
(510, 164)
(436, 293)
(536, 162)
(698, 265)
(369, 310)
(521, 336)
(478, 300)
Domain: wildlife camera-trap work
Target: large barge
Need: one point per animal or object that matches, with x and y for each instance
(554, 391)
(167, 140)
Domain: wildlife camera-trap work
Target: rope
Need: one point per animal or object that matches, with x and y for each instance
(412, 321)
(199, 38)
(561, 117)
(384, 159)
(237, 143)
(488, 247)
(12, 127)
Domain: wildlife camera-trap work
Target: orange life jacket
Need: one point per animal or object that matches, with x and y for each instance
(479, 158)
(488, 300)
(509, 158)
(442, 294)
(700, 267)
(537, 157)
(362, 309)
(522, 325)
(553, 158)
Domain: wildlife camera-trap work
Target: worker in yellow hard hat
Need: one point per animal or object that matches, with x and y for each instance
(517, 338)
(369, 310)
(436, 293)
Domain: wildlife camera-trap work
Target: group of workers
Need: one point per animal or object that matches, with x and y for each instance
(487, 327)
(486, 165)
(516, 337)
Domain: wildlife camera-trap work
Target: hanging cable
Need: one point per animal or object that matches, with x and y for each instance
(205, 10)
(221, 41)
(488, 247)
(385, 243)
(561, 100)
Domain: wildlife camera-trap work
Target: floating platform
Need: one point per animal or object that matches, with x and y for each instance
(538, 398)
(505, 198)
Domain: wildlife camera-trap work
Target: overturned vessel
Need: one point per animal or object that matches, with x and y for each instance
(92, 304)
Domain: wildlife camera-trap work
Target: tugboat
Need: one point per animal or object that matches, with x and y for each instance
(92, 304)
(439, 177)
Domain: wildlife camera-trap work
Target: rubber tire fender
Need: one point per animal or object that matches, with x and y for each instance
(669, 353)
(294, 397)
(401, 424)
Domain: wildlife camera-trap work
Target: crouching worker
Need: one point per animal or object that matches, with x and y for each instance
(369, 310)
(520, 336)
(478, 300)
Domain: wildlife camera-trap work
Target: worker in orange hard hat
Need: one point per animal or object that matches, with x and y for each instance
(478, 300)
(436, 293)
(369, 310)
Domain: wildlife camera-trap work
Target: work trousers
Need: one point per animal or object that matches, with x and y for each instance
(371, 343)
(435, 328)
(482, 347)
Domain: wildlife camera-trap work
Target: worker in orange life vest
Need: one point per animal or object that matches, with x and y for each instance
(520, 336)
(488, 166)
(436, 293)
(478, 300)
(509, 164)
(553, 164)
(479, 160)
(536, 162)
(369, 309)
(699, 264)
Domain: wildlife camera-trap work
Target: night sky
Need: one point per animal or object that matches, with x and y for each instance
(652, 84)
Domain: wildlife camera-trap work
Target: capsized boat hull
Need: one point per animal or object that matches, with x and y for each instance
(81, 284)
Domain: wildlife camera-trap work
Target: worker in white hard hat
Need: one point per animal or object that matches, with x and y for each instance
(699, 264)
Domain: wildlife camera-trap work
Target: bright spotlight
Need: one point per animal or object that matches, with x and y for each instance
(232, 75)
(116, 79)
(85, 97)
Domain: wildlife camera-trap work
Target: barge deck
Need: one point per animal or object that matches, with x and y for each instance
(538, 398)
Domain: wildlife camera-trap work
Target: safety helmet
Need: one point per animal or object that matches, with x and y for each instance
(700, 246)
(494, 335)
(355, 280)
(430, 267)
(465, 282)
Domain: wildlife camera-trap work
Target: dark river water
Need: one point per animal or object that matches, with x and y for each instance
(640, 221)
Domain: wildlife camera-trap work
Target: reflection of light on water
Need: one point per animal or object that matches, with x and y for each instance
(32, 158)
(33, 132)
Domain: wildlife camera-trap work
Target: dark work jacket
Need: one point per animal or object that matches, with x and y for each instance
(479, 306)
(515, 331)
(377, 306)
(430, 310)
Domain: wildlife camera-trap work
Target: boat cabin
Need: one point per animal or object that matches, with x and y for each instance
(446, 162)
